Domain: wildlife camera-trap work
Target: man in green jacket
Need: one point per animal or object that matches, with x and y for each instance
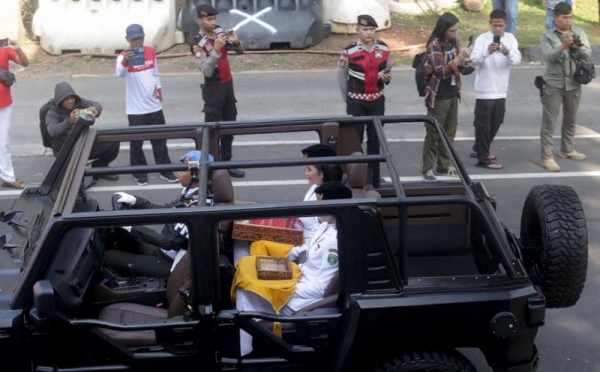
(562, 46)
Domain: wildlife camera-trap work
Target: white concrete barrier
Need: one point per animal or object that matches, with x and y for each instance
(342, 14)
(11, 24)
(98, 26)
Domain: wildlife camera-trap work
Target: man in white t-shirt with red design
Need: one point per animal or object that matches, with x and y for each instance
(143, 101)
(11, 52)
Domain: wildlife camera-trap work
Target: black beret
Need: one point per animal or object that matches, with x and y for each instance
(206, 10)
(317, 151)
(333, 190)
(367, 20)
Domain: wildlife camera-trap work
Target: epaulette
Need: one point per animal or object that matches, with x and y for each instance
(380, 42)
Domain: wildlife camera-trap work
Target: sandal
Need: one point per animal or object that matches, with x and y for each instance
(490, 165)
(490, 156)
(16, 184)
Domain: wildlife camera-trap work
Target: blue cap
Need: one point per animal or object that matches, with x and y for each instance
(195, 156)
(134, 31)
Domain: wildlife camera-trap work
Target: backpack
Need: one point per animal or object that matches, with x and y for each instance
(46, 138)
(420, 77)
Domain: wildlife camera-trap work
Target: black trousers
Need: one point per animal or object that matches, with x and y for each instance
(489, 115)
(356, 107)
(159, 146)
(104, 153)
(147, 259)
(219, 105)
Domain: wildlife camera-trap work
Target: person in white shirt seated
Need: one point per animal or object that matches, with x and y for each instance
(317, 271)
(317, 175)
(152, 253)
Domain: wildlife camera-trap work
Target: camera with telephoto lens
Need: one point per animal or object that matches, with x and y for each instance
(577, 40)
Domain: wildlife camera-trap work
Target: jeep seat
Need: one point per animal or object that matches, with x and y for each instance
(130, 313)
(358, 178)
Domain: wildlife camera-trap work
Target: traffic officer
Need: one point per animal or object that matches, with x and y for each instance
(364, 67)
(210, 48)
(318, 270)
(153, 254)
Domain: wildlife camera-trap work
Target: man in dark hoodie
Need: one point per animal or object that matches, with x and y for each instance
(61, 117)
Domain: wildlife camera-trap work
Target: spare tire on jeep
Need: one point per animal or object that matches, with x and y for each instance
(555, 243)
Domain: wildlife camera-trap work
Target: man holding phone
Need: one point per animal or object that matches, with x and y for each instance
(9, 51)
(493, 54)
(143, 100)
(210, 48)
(364, 67)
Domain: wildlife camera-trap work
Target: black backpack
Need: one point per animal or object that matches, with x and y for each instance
(420, 77)
(46, 138)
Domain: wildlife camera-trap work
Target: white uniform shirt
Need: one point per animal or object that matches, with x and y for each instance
(309, 223)
(140, 83)
(320, 267)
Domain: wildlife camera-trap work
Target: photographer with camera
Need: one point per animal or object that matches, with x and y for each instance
(564, 46)
(61, 114)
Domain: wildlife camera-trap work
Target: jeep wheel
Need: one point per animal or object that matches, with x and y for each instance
(426, 361)
(555, 243)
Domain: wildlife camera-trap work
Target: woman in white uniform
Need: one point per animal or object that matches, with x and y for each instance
(318, 270)
(318, 175)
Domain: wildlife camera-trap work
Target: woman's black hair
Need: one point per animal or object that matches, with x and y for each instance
(331, 172)
(442, 25)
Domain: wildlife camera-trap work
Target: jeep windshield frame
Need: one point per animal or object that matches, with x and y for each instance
(65, 182)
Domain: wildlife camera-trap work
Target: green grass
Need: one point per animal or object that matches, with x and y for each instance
(530, 22)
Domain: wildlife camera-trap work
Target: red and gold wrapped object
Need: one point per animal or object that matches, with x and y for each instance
(280, 230)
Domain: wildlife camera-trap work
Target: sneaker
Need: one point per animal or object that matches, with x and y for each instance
(142, 181)
(450, 172)
(16, 184)
(573, 155)
(551, 165)
(429, 176)
(170, 178)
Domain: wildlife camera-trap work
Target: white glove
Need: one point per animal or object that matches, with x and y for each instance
(125, 198)
(128, 228)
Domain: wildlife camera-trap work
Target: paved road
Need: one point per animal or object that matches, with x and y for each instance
(280, 95)
(570, 339)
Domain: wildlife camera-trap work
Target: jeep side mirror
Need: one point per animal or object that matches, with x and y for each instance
(43, 298)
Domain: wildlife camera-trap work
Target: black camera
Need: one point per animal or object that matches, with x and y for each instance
(577, 40)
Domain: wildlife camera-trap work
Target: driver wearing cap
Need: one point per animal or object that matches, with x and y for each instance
(154, 254)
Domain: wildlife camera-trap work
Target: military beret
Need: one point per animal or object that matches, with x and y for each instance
(367, 20)
(206, 10)
(317, 151)
(333, 190)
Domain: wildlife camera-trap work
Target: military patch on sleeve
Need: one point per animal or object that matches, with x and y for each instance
(332, 259)
(342, 63)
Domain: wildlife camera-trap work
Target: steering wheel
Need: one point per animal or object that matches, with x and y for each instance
(115, 203)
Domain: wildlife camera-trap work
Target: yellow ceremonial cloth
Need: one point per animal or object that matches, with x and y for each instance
(277, 292)
(269, 248)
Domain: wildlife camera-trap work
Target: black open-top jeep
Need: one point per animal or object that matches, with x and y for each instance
(424, 268)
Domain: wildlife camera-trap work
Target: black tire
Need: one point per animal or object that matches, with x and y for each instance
(555, 241)
(426, 361)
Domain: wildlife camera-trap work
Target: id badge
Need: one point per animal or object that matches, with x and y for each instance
(453, 80)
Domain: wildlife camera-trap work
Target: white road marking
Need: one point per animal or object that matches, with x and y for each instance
(475, 177)
(391, 140)
(253, 18)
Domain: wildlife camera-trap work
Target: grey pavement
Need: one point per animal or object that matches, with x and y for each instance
(284, 95)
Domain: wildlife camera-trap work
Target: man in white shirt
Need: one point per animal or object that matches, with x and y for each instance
(493, 54)
(143, 99)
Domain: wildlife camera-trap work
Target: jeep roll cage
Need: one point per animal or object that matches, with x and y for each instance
(64, 184)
